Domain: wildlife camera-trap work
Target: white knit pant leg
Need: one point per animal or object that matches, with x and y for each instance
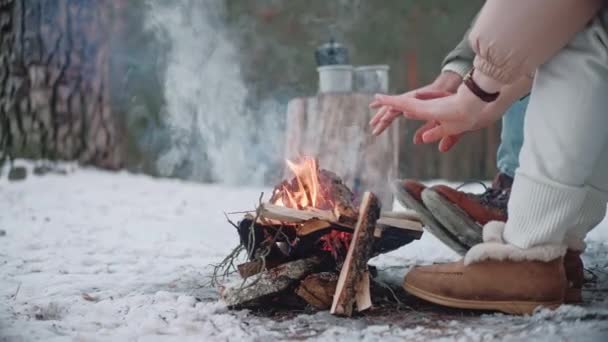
(593, 208)
(565, 136)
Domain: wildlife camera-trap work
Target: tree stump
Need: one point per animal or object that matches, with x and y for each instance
(335, 129)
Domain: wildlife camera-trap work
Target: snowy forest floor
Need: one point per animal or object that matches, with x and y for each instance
(95, 255)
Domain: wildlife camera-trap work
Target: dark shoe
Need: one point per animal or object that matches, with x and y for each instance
(491, 205)
(408, 193)
(463, 214)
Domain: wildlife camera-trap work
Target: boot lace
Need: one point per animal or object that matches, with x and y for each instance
(491, 196)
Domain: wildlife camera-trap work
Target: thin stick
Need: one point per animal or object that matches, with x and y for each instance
(230, 221)
(17, 291)
(239, 212)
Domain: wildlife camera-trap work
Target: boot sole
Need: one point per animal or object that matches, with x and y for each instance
(510, 307)
(453, 218)
(430, 223)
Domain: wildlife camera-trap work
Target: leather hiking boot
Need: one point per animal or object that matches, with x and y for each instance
(514, 287)
(408, 193)
(575, 276)
(463, 214)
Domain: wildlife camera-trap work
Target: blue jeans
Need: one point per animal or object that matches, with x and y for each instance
(511, 137)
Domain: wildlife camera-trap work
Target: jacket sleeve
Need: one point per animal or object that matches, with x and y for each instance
(511, 38)
(460, 59)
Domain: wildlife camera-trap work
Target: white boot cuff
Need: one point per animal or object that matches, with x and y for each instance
(495, 248)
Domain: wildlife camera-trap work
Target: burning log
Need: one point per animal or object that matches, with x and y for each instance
(311, 225)
(351, 285)
(313, 220)
(270, 282)
(289, 215)
(314, 188)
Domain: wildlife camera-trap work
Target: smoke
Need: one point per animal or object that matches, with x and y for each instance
(214, 135)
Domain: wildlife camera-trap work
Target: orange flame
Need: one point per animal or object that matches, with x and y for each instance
(307, 191)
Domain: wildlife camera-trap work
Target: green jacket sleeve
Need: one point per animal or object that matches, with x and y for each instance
(460, 59)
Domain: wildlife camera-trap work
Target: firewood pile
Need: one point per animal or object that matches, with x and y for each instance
(309, 245)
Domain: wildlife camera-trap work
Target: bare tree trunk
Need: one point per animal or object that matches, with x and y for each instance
(6, 48)
(58, 101)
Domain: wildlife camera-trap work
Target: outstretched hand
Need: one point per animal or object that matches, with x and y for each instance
(446, 84)
(446, 115)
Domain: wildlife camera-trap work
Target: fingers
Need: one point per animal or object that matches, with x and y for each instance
(397, 102)
(422, 129)
(411, 107)
(388, 116)
(448, 142)
(434, 134)
(378, 116)
(375, 104)
(431, 94)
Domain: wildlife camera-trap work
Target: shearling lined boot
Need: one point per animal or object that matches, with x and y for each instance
(575, 276)
(458, 213)
(410, 193)
(495, 276)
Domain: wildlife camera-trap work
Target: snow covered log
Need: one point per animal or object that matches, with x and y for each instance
(351, 283)
(268, 283)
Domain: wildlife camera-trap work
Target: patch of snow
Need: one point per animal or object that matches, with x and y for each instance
(97, 255)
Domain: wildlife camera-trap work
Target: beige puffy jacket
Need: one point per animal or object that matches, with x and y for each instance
(511, 38)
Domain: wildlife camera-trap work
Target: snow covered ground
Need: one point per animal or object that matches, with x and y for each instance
(100, 256)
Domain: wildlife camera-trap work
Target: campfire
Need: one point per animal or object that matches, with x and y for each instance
(310, 244)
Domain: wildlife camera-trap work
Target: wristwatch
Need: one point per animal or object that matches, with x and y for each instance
(476, 89)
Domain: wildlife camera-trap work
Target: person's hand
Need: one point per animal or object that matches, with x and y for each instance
(446, 83)
(446, 115)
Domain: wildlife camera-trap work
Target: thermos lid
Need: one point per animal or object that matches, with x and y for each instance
(331, 53)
